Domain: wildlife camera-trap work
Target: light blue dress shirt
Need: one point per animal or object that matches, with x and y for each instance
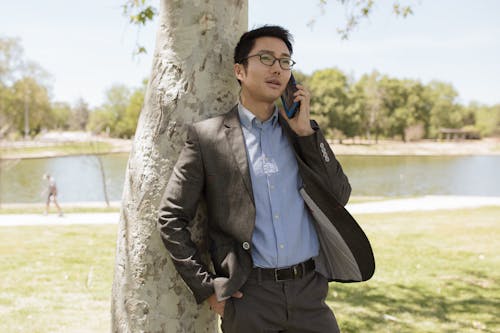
(284, 234)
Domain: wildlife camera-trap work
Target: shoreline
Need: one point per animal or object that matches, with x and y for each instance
(487, 146)
(51, 154)
(404, 205)
(61, 144)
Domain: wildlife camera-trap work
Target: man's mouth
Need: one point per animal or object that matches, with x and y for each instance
(274, 83)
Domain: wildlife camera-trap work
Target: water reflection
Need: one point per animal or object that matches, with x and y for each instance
(421, 175)
(79, 179)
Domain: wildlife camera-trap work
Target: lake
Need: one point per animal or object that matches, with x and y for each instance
(78, 177)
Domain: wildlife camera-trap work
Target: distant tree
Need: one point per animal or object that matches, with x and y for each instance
(301, 78)
(6, 122)
(100, 120)
(495, 112)
(31, 100)
(395, 116)
(11, 60)
(367, 97)
(486, 118)
(411, 108)
(128, 124)
(120, 111)
(80, 115)
(468, 116)
(24, 91)
(329, 101)
(60, 115)
(444, 112)
(116, 102)
(418, 105)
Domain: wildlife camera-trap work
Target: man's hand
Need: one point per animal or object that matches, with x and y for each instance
(218, 307)
(301, 124)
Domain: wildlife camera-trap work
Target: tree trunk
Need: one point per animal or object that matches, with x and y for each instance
(191, 79)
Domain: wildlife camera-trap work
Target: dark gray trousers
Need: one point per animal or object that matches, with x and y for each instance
(294, 306)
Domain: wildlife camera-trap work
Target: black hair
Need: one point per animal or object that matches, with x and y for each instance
(247, 41)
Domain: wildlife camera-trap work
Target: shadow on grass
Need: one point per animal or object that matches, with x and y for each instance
(439, 306)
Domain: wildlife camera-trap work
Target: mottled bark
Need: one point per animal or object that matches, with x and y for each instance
(191, 79)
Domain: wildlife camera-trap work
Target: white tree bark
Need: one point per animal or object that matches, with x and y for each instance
(191, 79)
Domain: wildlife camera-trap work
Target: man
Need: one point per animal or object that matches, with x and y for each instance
(274, 194)
(51, 193)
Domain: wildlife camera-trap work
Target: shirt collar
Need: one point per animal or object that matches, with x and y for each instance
(248, 119)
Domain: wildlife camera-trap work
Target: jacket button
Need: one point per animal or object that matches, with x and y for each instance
(246, 246)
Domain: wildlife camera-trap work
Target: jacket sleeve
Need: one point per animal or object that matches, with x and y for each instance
(316, 154)
(178, 208)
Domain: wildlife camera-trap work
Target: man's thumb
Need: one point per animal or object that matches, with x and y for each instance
(238, 294)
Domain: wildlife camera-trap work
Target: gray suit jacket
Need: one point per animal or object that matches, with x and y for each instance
(213, 166)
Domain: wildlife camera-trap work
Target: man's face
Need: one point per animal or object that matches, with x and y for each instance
(260, 82)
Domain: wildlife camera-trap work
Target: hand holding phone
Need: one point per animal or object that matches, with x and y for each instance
(287, 98)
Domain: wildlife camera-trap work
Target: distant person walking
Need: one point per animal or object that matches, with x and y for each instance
(52, 193)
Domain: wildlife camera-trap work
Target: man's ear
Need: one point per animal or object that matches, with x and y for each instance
(239, 71)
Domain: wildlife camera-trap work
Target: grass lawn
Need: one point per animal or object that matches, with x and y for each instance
(436, 272)
(56, 278)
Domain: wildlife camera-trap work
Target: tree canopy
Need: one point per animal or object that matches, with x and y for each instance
(25, 92)
(373, 106)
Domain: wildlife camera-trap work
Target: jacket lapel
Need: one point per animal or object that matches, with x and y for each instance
(236, 141)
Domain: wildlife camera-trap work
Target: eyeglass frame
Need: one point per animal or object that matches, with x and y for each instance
(274, 60)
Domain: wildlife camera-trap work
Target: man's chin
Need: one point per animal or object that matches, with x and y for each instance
(273, 97)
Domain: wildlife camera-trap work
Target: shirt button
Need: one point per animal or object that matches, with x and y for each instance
(282, 246)
(272, 187)
(276, 216)
(246, 245)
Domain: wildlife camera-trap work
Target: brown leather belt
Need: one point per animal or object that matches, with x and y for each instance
(284, 274)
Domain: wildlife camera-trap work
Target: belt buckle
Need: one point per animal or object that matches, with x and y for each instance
(295, 274)
(295, 271)
(276, 278)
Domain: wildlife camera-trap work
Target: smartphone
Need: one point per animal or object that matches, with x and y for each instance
(287, 97)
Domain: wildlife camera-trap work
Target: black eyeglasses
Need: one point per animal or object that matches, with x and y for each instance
(269, 60)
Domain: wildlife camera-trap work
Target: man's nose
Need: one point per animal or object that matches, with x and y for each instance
(276, 67)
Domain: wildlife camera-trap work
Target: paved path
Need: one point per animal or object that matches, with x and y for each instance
(426, 203)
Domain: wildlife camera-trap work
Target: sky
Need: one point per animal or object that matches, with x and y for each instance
(87, 46)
